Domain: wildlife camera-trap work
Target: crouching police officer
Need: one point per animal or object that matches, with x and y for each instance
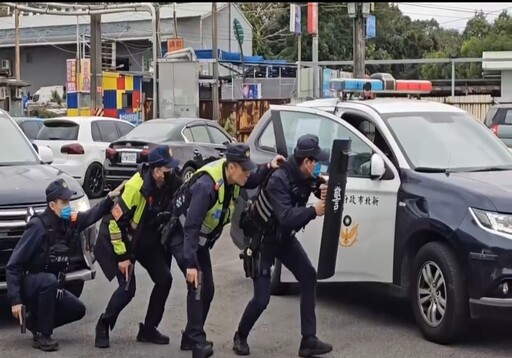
(288, 190)
(129, 233)
(202, 207)
(36, 269)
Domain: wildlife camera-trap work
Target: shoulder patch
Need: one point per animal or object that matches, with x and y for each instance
(116, 212)
(218, 184)
(74, 216)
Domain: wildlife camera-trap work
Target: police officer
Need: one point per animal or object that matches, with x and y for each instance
(288, 190)
(209, 207)
(129, 233)
(38, 259)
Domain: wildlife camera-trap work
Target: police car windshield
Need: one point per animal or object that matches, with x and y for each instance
(15, 149)
(447, 140)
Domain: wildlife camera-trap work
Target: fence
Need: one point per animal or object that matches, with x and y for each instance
(248, 112)
(476, 105)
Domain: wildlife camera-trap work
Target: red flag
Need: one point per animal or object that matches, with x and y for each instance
(313, 18)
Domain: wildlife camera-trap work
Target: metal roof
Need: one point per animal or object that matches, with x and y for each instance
(183, 10)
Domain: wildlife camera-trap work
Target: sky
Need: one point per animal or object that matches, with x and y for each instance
(451, 14)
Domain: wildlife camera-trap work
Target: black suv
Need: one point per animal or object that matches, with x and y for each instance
(24, 175)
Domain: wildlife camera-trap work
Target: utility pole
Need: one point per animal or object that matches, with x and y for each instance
(359, 11)
(17, 61)
(96, 63)
(215, 85)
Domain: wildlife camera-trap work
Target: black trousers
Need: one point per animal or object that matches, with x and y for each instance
(39, 293)
(156, 263)
(292, 256)
(198, 306)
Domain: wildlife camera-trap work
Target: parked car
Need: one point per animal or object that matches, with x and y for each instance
(78, 145)
(26, 172)
(499, 120)
(29, 125)
(194, 141)
(427, 207)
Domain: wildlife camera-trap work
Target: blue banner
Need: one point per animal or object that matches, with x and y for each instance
(371, 28)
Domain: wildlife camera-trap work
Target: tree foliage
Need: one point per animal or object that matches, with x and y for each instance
(398, 37)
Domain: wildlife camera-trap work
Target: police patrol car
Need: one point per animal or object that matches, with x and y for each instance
(428, 204)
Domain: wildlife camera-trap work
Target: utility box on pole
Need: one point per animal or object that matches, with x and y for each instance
(178, 88)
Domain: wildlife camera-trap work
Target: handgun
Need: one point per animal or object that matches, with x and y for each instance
(23, 325)
(130, 275)
(197, 289)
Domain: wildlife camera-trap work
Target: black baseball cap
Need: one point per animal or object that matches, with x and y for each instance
(58, 189)
(241, 154)
(307, 147)
(161, 156)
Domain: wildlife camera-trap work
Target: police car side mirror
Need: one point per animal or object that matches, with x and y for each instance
(45, 154)
(377, 167)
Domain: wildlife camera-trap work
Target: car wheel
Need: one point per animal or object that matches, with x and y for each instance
(187, 173)
(94, 182)
(75, 287)
(438, 295)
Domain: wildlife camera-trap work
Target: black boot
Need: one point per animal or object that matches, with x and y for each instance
(312, 346)
(102, 334)
(240, 345)
(187, 344)
(45, 343)
(203, 350)
(151, 335)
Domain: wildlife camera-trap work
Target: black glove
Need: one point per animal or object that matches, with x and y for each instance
(162, 217)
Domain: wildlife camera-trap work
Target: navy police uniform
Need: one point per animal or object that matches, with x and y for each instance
(288, 190)
(130, 232)
(191, 251)
(31, 279)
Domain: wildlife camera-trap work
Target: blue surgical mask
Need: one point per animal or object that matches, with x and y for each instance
(65, 212)
(316, 170)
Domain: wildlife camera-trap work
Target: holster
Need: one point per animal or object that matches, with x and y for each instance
(252, 262)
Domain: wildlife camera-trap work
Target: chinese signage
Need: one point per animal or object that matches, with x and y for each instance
(362, 200)
(70, 75)
(175, 44)
(85, 75)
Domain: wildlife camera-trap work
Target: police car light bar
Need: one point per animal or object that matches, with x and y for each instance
(385, 85)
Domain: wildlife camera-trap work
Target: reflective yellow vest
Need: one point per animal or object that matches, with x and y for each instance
(131, 197)
(212, 220)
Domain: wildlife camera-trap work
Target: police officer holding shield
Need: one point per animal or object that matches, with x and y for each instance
(288, 190)
(203, 206)
(37, 267)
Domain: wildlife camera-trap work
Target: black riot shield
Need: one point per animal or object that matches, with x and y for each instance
(333, 207)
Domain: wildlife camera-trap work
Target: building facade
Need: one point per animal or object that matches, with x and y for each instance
(47, 41)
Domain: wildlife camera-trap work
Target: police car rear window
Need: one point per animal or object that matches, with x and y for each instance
(61, 130)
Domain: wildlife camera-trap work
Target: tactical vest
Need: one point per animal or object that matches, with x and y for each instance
(218, 215)
(55, 256)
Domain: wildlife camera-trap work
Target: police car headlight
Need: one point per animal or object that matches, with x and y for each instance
(81, 204)
(493, 221)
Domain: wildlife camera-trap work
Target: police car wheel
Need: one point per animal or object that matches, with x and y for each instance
(277, 288)
(439, 296)
(75, 287)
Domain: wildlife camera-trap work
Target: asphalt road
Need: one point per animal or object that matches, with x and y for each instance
(358, 321)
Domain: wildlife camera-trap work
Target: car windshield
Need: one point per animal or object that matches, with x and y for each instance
(58, 130)
(14, 147)
(153, 131)
(448, 141)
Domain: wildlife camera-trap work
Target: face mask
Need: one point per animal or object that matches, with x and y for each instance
(65, 212)
(316, 170)
(167, 177)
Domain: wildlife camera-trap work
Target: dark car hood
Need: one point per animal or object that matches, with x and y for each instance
(26, 184)
(496, 186)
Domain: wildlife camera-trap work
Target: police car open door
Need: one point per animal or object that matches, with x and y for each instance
(362, 249)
